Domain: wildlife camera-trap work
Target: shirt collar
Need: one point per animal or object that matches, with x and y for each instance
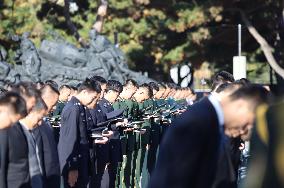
(218, 108)
(189, 101)
(24, 126)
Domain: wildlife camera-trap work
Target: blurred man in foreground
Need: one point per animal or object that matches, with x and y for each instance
(12, 108)
(190, 150)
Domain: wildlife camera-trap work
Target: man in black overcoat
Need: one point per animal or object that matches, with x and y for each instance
(189, 152)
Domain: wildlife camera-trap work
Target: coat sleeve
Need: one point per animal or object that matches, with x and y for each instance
(68, 147)
(179, 155)
(94, 117)
(3, 158)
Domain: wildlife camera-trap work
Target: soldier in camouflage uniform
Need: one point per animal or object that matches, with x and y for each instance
(143, 97)
(64, 91)
(154, 131)
(127, 135)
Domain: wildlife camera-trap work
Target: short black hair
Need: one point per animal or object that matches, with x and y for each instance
(228, 86)
(51, 87)
(178, 87)
(97, 86)
(220, 78)
(26, 89)
(40, 82)
(222, 87)
(154, 86)
(99, 79)
(254, 93)
(74, 88)
(89, 84)
(52, 83)
(15, 102)
(114, 85)
(40, 105)
(161, 85)
(150, 91)
(171, 85)
(131, 82)
(64, 86)
(243, 81)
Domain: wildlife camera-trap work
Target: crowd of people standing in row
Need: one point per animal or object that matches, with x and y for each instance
(203, 147)
(107, 134)
(98, 134)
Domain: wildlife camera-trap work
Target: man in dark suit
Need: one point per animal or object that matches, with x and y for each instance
(98, 152)
(14, 167)
(228, 161)
(191, 147)
(101, 151)
(14, 164)
(28, 123)
(12, 108)
(46, 142)
(113, 89)
(73, 146)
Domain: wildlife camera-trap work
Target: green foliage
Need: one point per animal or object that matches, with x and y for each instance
(151, 33)
(257, 71)
(120, 4)
(175, 54)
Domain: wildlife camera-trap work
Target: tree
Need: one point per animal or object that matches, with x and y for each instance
(157, 34)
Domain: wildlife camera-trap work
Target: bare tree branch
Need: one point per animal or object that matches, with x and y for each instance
(102, 12)
(266, 48)
(71, 25)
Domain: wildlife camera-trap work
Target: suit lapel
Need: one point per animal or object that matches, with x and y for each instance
(20, 131)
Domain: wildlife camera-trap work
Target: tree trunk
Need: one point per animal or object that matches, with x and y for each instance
(71, 25)
(102, 12)
(266, 48)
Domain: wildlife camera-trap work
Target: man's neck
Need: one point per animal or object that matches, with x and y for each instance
(26, 124)
(79, 98)
(225, 104)
(107, 98)
(120, 98)
(219, 108)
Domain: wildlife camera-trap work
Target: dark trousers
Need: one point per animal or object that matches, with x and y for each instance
(52, 181)
(128, 175)
(97, 179)
(83, 173)
(112, 171)
(151, 161)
